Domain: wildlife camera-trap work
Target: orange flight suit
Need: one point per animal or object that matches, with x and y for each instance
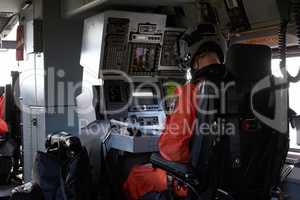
(173, 146)
(3, 124)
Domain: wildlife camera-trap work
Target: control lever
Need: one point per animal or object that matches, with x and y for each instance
(133, 129)
(134, 132)
(125, 124)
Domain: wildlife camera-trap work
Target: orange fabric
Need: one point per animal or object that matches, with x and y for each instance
(3, 124)
(3, 127)
(2, 104)
(174, 141)
(173, 145)
(143, 179)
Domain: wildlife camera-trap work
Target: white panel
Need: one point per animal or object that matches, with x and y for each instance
(131, 144)
(92, 43)
(137, 18)
(85, 109)
(27, 154)
(10, 5)
(27, 81)
(40, 80)
(34, 137)
(84, 101)
(29, 37)
(94, 33)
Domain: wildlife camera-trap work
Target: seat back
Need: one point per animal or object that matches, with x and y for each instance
(245, 156)
(203, 148)
(256, 150)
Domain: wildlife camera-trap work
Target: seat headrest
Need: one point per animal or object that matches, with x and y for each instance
(249, 62)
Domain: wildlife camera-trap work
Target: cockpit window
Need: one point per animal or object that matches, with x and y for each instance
(8, 64)
(8, 58)
(293, 64)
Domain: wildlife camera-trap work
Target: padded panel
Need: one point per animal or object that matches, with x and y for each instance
(249, 62)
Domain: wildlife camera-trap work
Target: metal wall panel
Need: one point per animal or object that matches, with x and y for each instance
(40, 79)
(62, 47)
(27, 81)
(62, 118)
(34, 137)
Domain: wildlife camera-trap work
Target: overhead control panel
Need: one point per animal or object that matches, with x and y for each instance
(170, 49)
(116, 43)
(126, 41)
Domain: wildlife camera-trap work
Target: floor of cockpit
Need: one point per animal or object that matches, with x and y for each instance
(5, 191)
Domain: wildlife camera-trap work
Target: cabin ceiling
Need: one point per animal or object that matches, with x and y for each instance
(261, 13)
(4, 19)
(8, 9)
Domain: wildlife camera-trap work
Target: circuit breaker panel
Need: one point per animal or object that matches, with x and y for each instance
(126, 41)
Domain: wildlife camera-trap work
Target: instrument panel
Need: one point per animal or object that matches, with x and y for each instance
(170, 49)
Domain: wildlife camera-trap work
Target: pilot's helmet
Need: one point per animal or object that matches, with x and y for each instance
(200, 39)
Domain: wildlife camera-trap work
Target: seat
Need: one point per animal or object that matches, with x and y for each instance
(240, 164)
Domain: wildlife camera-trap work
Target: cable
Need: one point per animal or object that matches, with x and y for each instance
(296, 10)
(282, 45)
(282, 41)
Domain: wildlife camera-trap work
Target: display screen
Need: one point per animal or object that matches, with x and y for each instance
(170, 48)
(143, 58)
(144, 97)
(114, 94)
(145, 101)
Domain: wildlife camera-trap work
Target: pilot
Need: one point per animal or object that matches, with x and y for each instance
(145, 181)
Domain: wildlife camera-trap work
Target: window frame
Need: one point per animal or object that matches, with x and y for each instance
(292, 51)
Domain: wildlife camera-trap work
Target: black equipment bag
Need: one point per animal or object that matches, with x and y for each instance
(5, 168)
(6, 160)
(63, 173)
(29, 191)
(47, 174)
